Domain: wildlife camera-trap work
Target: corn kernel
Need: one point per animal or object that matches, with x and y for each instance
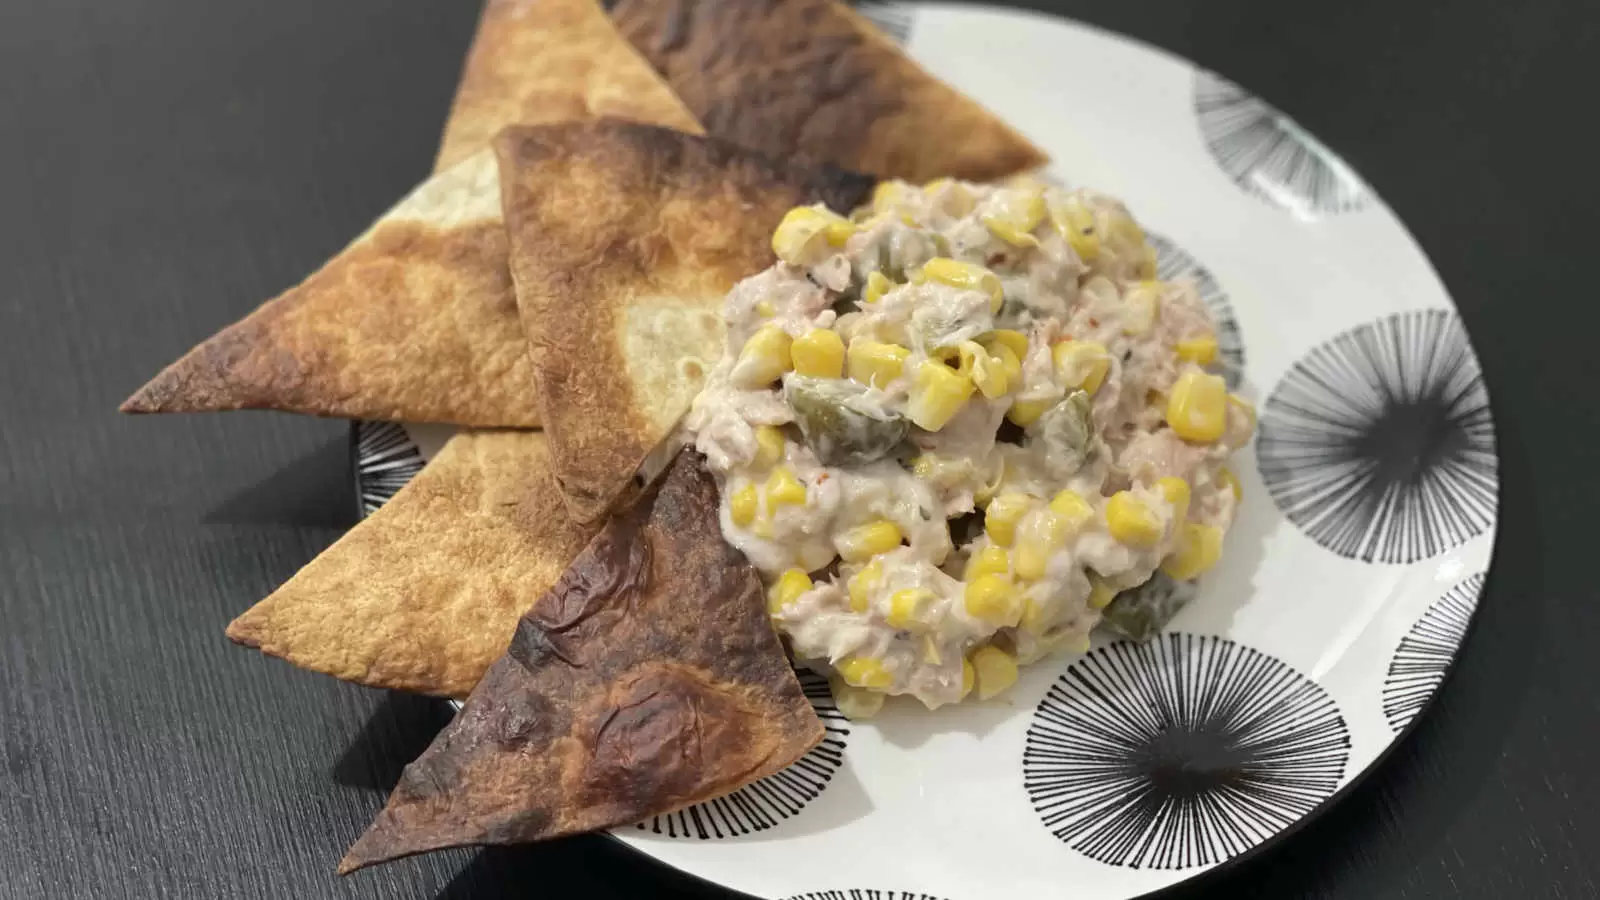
(991, 560)
(994, 599)
(1176, 492)
(783, 489)
(857, 703)
(862, 584)
(769, 445)
(797, 237)
(887, 195)
(969, 677)
(938, 394)
(762, 528)
(1143, 305)
(994, 670)
(1200, 350)
(924, 465)
(876, 364)
(1132, 521)
(818, 353)
(864, 672)
(1033, 616)
(1199, 548)
(930, 650)
(1074, 221)
(1069, 506)
(788, 588)
(765, 310)
(964, 275)
(1081, 364)
(764, 359)
(1100, 593)
(863, 542)
(1226, 479)
(1001, 517)
(905, 607)
(1122, 227)
(1149, 263)
(1247, 408)
(1027, 412)
(1017, 214)
(1006, 337)
(987, 372)
(743, 504)
(877, 285)
(1031, 559)
(1197, 406)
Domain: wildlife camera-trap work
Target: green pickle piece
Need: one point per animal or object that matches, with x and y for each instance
(839, 423)
(1067, 430)
(1142, 612)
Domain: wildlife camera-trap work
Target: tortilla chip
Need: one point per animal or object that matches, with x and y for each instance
(425, 594)
(624, 240)
(524, 63)
(813, 78)
(416, 320)
(648, 679)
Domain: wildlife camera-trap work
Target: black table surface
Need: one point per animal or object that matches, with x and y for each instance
(167, 164)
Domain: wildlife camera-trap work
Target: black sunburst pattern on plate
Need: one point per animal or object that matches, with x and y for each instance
(1379, 444)
(762, 804)
(893, 19)
(1268, 155)
(1427, 651)
(1174, 262)
(862, 894)
(1181, 752)
(385, 459)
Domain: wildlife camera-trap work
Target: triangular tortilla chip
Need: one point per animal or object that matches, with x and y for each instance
(624, 240)
(416, 320)
(649, 678)
(425, 594)
(813, 78)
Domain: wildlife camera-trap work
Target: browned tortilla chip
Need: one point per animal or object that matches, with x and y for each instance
(649, 678)
(624, 240)
(815, 79)
(416, 320)
(425, 594)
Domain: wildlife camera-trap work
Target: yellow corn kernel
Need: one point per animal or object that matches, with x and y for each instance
(1030, 560)
(863, 542)
(762, 528)
(994, 599)
(1010, 364)
(764, 309)
(783, 489)
(1197, 406)
(986, 372)
(994, 670)
(864, 672)
(1132, 521)
(1027, 412)
(1199, 548)
(1226, 479)
(877, 285)
(1005, 337)
(964, 275)
(743, 504)
(924, 465)
(969, 677)
(1016, 216)
(862, 584)
(1176, 492)
(887, 195)
(1100, 593)
(930, 651)
(1200, 350)
(856, 703)
(876, 364)
(1081, 364)
(797, 234)
(1032, 616)
(789, 586)
(1074, 221)
(818, 353)
(938, 394)
(769, 445)
(1143, 305)
(991, 560)
(1122, 227)
(764, 359)
(905, 607)
(1070, 507)
(1149, 263)
(1002, 515)
(1244, 406)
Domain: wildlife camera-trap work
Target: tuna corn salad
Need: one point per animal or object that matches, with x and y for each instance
(953, 427)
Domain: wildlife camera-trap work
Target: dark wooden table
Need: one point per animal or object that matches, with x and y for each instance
(167, 164)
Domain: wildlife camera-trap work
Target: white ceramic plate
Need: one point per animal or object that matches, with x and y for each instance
(1349, 579)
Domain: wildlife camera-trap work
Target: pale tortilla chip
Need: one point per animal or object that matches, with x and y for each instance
(416, 320)
(648, 679)
(813, 78)
(424, 595)
(624, 240)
